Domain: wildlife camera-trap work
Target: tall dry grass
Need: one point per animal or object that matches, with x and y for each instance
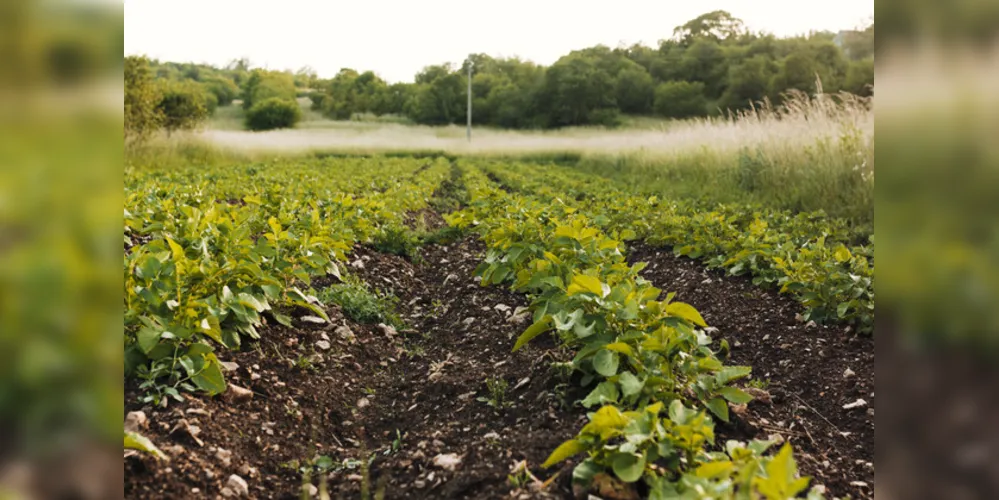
(808, 153)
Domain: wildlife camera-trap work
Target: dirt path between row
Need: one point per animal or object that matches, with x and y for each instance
(413, 403)
(341, 393)
(815, 375)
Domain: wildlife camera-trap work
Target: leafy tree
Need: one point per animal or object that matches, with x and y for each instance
(680, 99)
(305, 77)
(634, 89)
(394, 98)
(748, 81)
(717, 26)
(440, 101)
(860, 78)
(797, 71)
(183, 105)
(575, 90)
(705, 61)
(262, 85)
(141, 97)
(273, 113)
(224, 89)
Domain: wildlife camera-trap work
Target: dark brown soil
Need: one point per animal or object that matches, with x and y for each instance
(403, 398)
(805, 367)
(420, 384)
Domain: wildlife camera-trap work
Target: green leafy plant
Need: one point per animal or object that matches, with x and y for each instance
(497, 393)
(361, 304)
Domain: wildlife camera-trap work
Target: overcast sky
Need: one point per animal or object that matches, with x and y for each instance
(397, 38)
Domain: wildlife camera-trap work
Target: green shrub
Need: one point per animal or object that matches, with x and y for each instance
(397, 240)
(224, 90)
(680, 99)
(141, 97)
(272, 114)
(263, 85)
(362, 305)
(183, 105)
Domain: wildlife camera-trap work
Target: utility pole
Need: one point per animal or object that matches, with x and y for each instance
(468, 129)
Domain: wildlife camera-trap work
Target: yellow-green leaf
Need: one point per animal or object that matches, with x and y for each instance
(842, 254)
(620, 347)
(539, 327)
(685, 311)
(582, 283)
(712, 470)
(565, 450)
(136, 441)
(178, 256)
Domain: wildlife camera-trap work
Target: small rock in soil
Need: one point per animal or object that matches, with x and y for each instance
(388, 330)
(229, 366)
(135, 421)
(238, 393)
(519, 318)
(501, 307)
(848, 373)
(247, 471)
(323, 345)
(313, 319)
(860, 403)
(236, 487)
(468, 321)
(447, 461)
(224, 456)
(524, 381)
(345, 333)
(357, 264)
(363, 403)
(192, 430)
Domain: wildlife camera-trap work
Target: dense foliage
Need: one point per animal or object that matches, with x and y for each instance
(273, 113)
(655, 382)
(711, 64)
(183, 105)
(214, 257)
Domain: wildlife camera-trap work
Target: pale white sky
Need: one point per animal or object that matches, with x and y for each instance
(397, 38)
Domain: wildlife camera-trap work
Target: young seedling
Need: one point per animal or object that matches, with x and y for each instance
(497, 393)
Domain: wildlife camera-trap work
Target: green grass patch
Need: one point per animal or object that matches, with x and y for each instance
(361, 304)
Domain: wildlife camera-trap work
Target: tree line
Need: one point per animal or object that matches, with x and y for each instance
(711, 65)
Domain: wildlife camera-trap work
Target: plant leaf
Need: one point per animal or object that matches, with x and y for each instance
(606, 363)
(582, 283)
(136, 441)
(719, 407)
(734, 395)
(628, 466)
(687, 312)
(532, 331)
(565, 450)
(630, 384)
